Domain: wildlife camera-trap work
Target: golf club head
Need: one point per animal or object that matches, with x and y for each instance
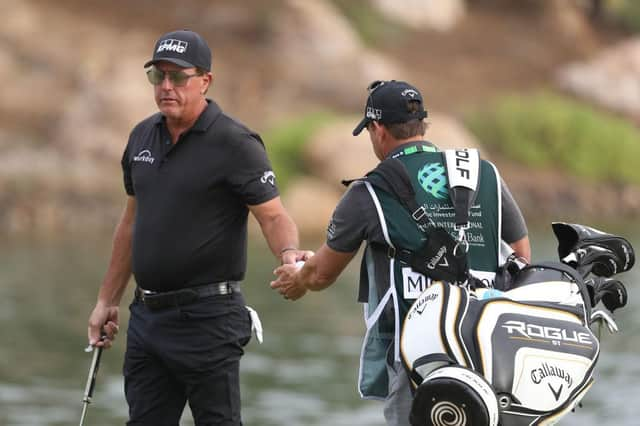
(603, 317)
(586, 248)
(611, 292)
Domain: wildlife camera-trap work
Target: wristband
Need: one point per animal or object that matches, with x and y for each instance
(287, 249)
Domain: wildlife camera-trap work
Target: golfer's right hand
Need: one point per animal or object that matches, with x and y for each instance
(103, 321)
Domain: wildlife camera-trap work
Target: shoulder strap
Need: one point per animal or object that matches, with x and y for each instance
(391, 176)
(463, 176)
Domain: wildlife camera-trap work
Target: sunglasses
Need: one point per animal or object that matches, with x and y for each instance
(177, 78)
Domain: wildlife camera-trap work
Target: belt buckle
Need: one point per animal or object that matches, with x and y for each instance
(144, 295)
(224, 288)
(150, 301)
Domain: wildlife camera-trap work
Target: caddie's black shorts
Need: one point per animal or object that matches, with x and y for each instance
(182, 354)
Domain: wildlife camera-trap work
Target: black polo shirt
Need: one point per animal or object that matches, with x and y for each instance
(191, 199)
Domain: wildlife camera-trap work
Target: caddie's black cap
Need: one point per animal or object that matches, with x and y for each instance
(388, 103)
(184, 48)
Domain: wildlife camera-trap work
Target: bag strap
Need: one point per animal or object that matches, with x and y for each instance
(463, 177)
(396, 180)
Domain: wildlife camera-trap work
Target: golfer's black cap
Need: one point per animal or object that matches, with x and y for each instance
(184, 48)
(388, 103)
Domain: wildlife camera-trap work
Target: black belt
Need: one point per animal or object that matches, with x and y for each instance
(184, 296)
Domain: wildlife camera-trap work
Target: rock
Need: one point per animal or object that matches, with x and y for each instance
(446, 132)
(94, 120)
(316, 46)
(611, 79)
(310, 202)
(333, 153)
(441, 15)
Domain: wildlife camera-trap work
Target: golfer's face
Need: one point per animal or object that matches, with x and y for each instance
(179, 92)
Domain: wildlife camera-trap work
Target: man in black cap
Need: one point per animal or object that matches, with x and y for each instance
(192, 175)
(373, 210)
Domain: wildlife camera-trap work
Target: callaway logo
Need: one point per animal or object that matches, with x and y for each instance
(431, 264)
(409, 92)
(556, 394)
(331, 230)
(172, 45)
(268, 176)
(374, 113)
(546, 370)
(144, 156)
(421, 304)
(534, 331)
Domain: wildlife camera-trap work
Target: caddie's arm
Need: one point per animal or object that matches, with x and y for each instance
(104, 317)
(318, 273)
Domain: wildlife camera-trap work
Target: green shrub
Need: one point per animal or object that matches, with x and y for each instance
(286, 140)
(371, 25)
(625, 12)
(547, 130)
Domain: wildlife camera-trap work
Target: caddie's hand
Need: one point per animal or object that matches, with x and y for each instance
(293, 256)
(286, 284)
(103, 321)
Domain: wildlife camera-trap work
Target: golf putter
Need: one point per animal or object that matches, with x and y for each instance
(91, 380)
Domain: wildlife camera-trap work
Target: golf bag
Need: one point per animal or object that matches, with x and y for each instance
(522, 353)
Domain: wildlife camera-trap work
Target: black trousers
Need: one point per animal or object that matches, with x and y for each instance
(183, 354)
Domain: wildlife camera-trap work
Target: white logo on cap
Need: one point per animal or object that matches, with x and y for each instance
(409, 92)
(374, 113)
(172, 45)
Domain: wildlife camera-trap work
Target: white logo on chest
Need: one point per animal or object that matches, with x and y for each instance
(144, 156)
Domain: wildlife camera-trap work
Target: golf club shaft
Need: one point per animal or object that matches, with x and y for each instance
(84, 413)
(91, 381)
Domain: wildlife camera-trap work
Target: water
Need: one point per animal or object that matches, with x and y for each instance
(303, 375)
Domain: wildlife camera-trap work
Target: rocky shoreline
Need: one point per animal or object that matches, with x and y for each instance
(78, 87)
(64, 195)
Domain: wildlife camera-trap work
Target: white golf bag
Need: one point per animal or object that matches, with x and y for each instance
(522, 353)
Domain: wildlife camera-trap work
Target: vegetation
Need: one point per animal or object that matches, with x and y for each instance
(285, 143)
(371, 25)
(547, 130)
(625, 12)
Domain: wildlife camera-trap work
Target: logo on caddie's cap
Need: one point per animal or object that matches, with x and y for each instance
(389, 102)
